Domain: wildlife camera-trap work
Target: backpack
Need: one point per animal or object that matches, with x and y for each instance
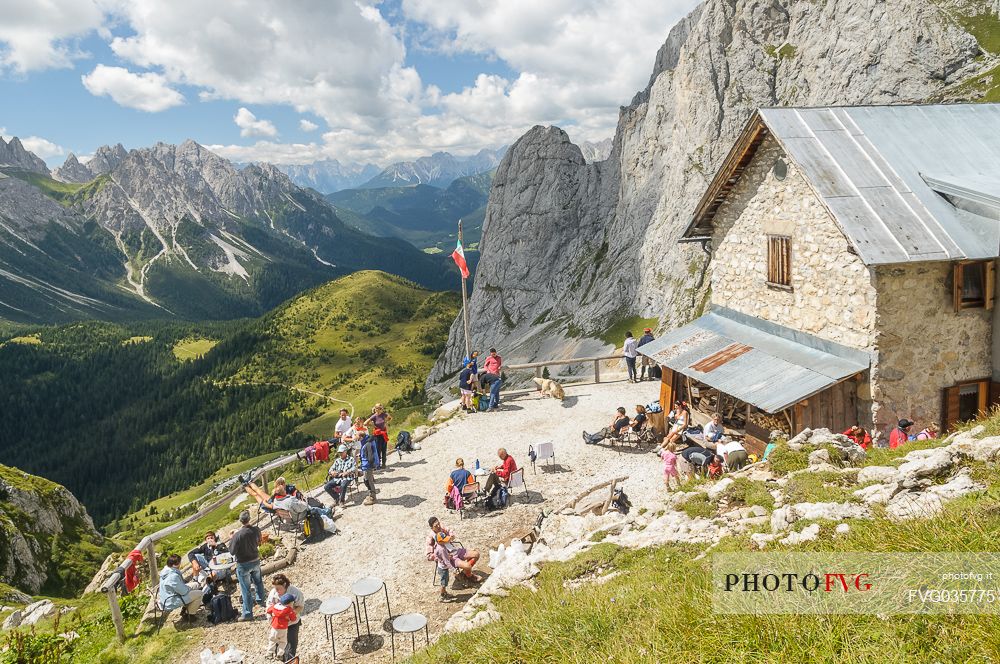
(498, 498)
(312, 527)
(655, 372)
(403, 442)
(313, 502)
(221, 609)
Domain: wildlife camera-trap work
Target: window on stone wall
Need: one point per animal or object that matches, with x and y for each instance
(973, 285)
(779, 261)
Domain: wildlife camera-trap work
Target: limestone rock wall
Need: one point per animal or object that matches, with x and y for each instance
(923, 344)
(832, 295)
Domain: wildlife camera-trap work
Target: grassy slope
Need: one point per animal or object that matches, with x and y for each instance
(659, 608)
(364, 338)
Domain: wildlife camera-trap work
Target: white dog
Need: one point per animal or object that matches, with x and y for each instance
(550, 387)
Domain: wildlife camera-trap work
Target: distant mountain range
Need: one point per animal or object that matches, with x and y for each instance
(330, 175)
(172, 230)
(423, 215)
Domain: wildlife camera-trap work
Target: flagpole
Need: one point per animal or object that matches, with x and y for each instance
(465, 302)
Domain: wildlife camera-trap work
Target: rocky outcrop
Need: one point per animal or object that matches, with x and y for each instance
(14, 155)
(106, 159)
(47, 540)
(73, 171)
(570, 247)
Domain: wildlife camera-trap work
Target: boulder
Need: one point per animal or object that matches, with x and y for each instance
(928, 465)
(807, 534)
(785, 516)
(820, 456)
(38, 610)
(956, 487)
(985, 449)
(716, 490)
(761, 540)
(842, 529)
(914, 504)
(870, 474)
(13, 620)
(876, 494)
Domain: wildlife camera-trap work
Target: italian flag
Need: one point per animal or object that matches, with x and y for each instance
(459, 257)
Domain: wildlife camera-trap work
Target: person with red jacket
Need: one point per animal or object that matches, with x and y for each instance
(900, 434)
(860, 437)
(282, 614)
(501, 472)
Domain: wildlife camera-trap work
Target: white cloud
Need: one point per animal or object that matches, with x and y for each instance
(43, 34)
(42, 147)
(306, 125)
(250, 125)
(146, 92)
(276, 153)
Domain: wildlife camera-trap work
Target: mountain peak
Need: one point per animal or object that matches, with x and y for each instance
(72, 171)
(14, 155)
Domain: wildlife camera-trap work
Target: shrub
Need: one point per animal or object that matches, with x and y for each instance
(784, 460)
(744, 491)
(698, 505)
(266, 550)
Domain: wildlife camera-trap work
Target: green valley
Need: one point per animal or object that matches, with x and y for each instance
(122, 414)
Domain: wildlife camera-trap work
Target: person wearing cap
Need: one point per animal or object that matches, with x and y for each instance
(900, 434)
(245, 547)
(341, 474)
(647, 336)
(285, 593)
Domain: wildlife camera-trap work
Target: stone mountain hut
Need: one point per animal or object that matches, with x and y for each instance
(853, 262)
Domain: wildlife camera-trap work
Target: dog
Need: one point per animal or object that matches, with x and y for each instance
(550, 387)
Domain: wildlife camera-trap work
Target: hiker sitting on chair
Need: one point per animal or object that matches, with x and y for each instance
(201, 556)
(449, 554)
(618, 424)
(283, 501)
(174, 592)
(501, 473)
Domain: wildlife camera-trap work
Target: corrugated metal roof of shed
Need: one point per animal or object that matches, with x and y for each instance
(783, 367)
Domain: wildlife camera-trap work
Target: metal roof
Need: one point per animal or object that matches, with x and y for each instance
(781, 367)
(889, 176)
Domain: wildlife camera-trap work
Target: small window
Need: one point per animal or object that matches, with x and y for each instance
(779, 261)
(973, 285)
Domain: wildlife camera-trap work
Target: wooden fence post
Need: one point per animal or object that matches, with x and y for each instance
(538, 372)
(597, 371)
(116, 614)
(151, 558)
(263, 479)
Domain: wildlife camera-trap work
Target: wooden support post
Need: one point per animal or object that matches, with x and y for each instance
(538, 372)
(116, 614)
(263, 480)
(150, 553)
(597, 371)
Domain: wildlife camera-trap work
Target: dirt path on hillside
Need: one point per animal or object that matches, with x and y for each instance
(387, 539)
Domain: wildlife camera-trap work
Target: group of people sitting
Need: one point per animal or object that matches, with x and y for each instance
(620, 422)
(480, 390)
(497, 480)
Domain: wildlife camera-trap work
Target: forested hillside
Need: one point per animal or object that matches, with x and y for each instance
(111, 412)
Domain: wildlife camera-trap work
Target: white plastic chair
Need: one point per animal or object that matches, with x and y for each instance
(516, 481)
(545, 451)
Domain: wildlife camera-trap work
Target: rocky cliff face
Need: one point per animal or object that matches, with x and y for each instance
(73, 171)
(47, 541)
(569, 248)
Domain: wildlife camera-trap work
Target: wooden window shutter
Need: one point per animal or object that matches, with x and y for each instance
(949, 414)
(779, 260)
(956, 287)
(984, 397)
(994, 394)
(990, 283)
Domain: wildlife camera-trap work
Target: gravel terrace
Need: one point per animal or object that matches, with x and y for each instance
(387, 540)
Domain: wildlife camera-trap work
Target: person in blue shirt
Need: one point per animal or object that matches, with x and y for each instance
(369, 462)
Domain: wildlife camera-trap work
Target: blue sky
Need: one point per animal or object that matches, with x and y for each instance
(362, 81)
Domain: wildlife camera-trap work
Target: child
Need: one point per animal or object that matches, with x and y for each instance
(669, 456)
(715, 467)
(281, 614)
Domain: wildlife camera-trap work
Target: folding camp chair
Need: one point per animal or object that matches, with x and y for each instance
(470, 496)
(284, 520)
(544, 452)
(516, 481)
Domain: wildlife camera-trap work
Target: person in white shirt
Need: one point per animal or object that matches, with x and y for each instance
(733, 453)
(630, 352)
(714, 429)
(343, 425)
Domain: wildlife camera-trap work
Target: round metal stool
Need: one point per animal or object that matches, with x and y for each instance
(334, 607)
(410, 623)
(365, 587)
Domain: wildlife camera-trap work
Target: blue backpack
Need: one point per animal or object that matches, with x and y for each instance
(498, 499)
